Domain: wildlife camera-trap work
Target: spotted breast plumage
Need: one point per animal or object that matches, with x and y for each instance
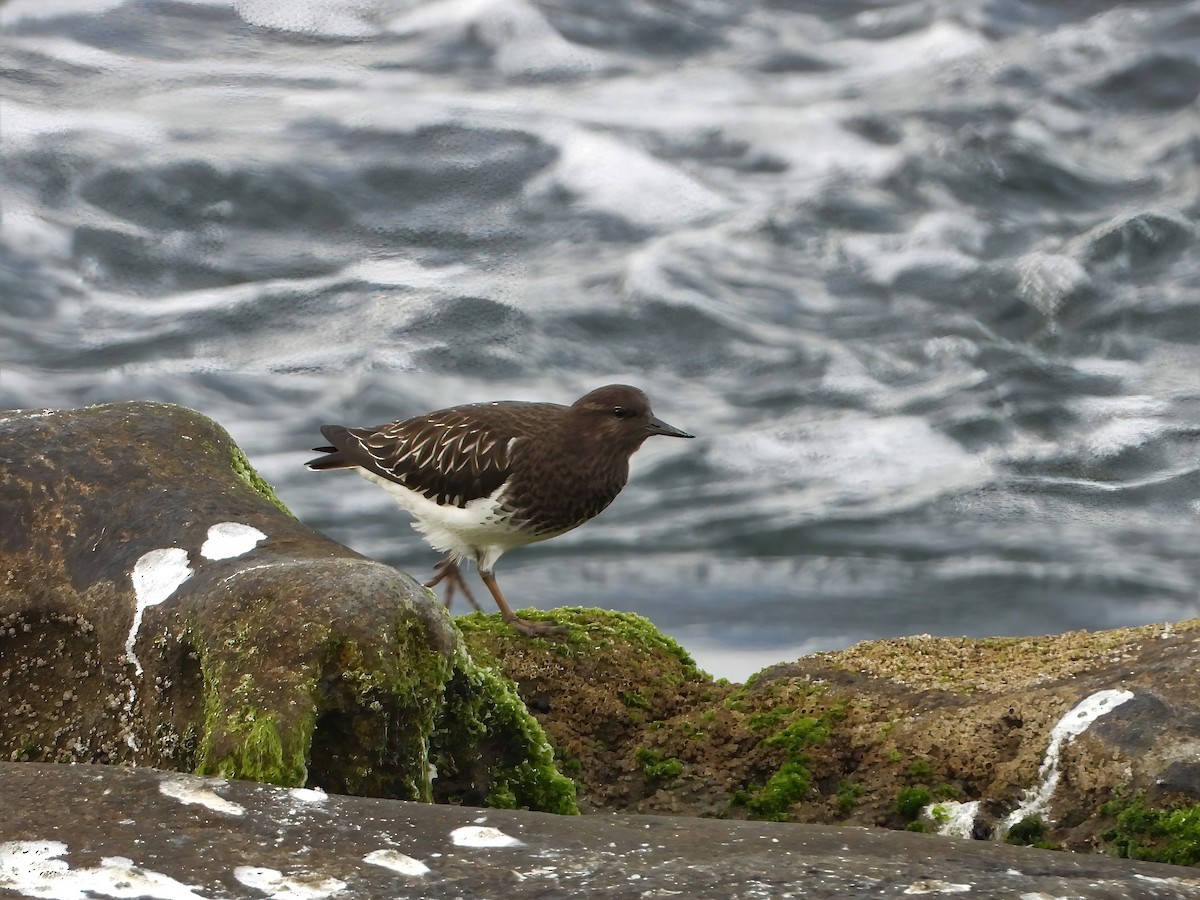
(484, 478)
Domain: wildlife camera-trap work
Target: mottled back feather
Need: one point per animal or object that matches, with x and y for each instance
(452, 456)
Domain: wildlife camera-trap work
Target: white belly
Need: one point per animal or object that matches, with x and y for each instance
(477, 532)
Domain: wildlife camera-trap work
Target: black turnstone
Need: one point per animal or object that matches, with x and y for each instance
(484, 478)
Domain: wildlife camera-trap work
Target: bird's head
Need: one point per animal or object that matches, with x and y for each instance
(622, 414)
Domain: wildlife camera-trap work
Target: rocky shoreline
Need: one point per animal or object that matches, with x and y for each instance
(159, 608)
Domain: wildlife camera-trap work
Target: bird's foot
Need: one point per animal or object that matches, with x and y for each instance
(530, 628)
(447, 570)
(525, 626)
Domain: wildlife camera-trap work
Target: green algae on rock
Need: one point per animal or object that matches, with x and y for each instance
(600, 692)
(1141, 831)
(245, 471)
(490, 751)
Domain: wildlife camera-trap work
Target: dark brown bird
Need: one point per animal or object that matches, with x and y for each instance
(484, 478)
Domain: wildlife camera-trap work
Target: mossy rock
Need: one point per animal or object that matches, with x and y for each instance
(163, 608)
(600, 692)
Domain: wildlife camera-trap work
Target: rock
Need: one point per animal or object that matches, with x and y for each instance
(159, 607)
(140, 832)
(1088, 741)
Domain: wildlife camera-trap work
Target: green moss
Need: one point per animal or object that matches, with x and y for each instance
(376, 741)
(248, 474)
(655, 767)
(910, 801)
(615, 639)
(28, 748)
(375, 707)
(1029, 832)
(259, 754)
(916, 826)
(569, 765)
(488, 748)
(848, 793)
(502, 797)
(239, 737)
(1170, 835)
(792, 782)
(770, 719)
(592, 631)
(800, 734)
(789, 785)
(919, 770)
(634, 699)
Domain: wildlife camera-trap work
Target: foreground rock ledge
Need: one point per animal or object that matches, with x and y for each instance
(160, 834)
(159, 607)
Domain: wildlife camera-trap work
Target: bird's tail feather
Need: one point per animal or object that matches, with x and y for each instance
(336, 458)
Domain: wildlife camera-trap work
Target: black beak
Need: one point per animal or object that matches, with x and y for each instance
(658, 426)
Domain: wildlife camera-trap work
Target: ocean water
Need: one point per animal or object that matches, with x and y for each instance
(923, 277)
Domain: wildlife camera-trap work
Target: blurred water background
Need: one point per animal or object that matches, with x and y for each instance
(921, 275)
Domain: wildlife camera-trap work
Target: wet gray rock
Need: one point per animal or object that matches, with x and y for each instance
(159, 607)
(164, 834)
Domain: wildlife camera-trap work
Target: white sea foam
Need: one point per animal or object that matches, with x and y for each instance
(851, 463)
(613, 177)
(397, 862)
(277, 886)
(18, 10)
(26, 126)
(482, 836)
(517, 33)
(35, 869)
(1047, 279)
(339, 18)
(200, 795)
(1077, 720)
(954, 819)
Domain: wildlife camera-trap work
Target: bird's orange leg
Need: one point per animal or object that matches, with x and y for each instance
(532, 629)
(448, 571)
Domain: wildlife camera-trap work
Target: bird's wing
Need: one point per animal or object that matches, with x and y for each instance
(452, 456)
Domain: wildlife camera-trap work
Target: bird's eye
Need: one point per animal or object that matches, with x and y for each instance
(623, 412)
